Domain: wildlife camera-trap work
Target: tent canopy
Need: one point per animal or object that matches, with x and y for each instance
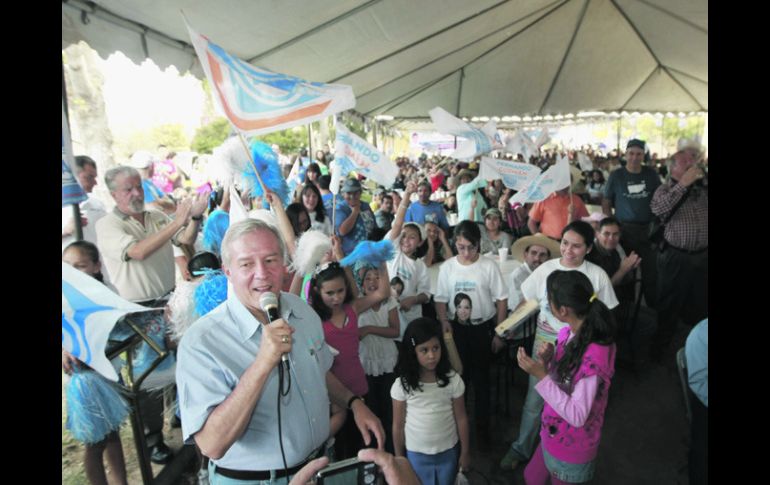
(403, 58)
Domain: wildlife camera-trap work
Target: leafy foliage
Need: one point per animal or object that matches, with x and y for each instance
(211, 136)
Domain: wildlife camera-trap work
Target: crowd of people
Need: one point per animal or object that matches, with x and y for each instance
(355, 355)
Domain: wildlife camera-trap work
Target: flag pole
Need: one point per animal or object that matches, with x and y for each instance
(569, 207)
(251, 159)
(76, 216)
(334, 209)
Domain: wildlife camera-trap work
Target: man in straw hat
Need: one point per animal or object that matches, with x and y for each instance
(532, 251)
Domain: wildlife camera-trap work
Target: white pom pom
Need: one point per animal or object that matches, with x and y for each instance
(311, 248)
(229, 161)
(182, 308)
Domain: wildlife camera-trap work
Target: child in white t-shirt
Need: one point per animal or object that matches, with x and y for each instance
(433, 434)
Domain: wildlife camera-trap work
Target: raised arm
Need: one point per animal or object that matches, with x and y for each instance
(398, 220)
(365, 302)
(284, 225)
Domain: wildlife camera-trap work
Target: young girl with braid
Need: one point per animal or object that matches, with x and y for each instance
(574, 382)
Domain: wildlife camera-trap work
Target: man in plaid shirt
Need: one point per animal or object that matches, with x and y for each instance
(683, 261)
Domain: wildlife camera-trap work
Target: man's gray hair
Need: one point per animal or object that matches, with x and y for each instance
(113, 173)
(240, 229)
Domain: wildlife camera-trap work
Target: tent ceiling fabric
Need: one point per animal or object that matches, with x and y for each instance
(402, 58)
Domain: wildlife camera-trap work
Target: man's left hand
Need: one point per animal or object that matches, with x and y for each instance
(367, 422)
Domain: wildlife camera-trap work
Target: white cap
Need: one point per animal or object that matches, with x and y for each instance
(141, 159)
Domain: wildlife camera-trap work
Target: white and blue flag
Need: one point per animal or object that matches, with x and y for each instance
(89, 311)
(557, 177)
(353, 153)
(515, 175)
(478, 140)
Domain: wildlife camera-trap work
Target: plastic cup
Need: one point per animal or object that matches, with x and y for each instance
(503, 254)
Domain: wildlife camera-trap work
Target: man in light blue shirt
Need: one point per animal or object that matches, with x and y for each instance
(696, 352)
(228, 371)
(426, 210)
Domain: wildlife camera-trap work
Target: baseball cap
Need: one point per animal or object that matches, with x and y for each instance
(351, 185)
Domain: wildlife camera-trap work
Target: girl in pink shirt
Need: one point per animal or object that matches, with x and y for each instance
(574, 382)
(332, 297)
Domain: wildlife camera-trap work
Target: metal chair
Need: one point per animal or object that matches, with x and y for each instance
(681, 365)
(132, 388)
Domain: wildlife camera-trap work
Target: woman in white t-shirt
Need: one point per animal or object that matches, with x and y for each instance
(479, 278)
(430, 425)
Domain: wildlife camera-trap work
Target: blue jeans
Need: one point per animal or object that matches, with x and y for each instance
(524, 445)
(439, 469)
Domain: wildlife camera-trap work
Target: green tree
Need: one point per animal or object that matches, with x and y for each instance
(211, 136)
(290, 140)
(172, 135)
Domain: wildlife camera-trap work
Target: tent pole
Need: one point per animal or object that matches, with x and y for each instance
(75, 207)
(618, 148)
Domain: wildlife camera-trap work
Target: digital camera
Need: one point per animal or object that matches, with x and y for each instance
(350, 472)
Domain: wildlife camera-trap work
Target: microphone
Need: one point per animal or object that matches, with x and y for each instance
(268, 302)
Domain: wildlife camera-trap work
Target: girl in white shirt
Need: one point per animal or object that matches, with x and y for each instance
(433, 434)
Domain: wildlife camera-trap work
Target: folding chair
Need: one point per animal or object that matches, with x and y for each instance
(131, 390)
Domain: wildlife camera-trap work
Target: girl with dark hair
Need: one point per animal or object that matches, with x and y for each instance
(333, 298)
(574, 381)
(596, 187)
(310, 197)
(577, 241)
(298, 218)
(481, 280)
(429, 406)
(377, 327)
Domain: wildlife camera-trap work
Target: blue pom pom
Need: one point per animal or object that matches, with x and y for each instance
(95, 407)
(370, 252)
(214, 230)
(266, 162)
(210, 293)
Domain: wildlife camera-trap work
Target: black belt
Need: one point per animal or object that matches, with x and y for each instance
(265, 474)
(687, 251)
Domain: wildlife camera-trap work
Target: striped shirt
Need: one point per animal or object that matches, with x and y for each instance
(688, 229)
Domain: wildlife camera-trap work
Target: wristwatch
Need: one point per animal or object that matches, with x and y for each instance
(197, 218)
(353, 398)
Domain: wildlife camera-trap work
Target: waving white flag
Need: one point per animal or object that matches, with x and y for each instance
(585, 163)
(548, 182)
(353, 153)
(543, 138)
(89, 311)
(515, 175)
(479, 140)
(520, 143)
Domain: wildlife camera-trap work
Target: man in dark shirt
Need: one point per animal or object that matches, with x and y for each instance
(636, 330)
(629, 190)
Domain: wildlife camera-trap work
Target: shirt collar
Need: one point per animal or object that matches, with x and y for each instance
(122, 214)
(247, 323)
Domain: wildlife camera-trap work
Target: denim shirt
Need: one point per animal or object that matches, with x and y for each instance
(214, 354)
